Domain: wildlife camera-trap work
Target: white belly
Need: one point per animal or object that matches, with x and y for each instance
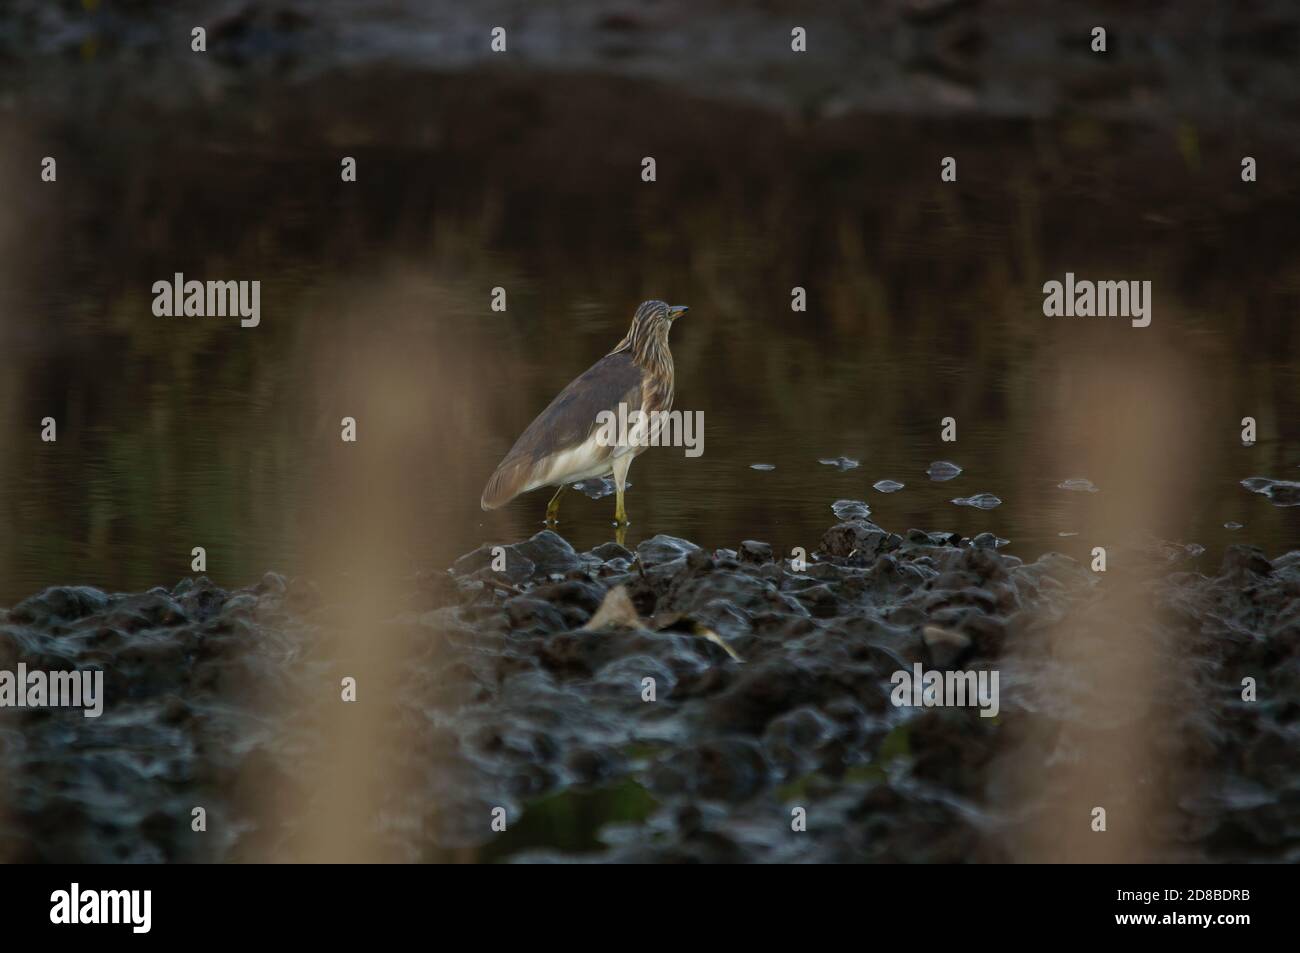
(584, 462)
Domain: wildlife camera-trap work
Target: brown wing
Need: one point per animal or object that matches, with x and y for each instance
(566, 423)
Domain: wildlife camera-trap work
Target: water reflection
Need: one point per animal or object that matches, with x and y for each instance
(924, 303)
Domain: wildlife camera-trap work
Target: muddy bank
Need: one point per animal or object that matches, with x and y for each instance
(522, 687)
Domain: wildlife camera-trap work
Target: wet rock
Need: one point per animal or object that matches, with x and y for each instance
(612, 550)
(571, 653)
(663, 549)
(761, 692)
(840, 463)
(599, 487)
(1278, 492)
(527, 612)
(577, 598)
(857, 537)
(794, 740)
(943, 470)
(549, 552)
(821, 601)
(738, 590)
(624, 679)
(202, 599)
(725, 559)
(700, 561)
(980, 501)
(988, 541)
(771, 687)
(728, 769)
(59, 603)
(987, 564)
(950, 746)
(850, 510)
(149, 610)
(920, 537)
(1245, 559)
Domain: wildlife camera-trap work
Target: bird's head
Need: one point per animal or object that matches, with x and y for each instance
(647, 338)
(656, 316)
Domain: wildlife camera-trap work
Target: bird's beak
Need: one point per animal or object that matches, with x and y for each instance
(675, 311)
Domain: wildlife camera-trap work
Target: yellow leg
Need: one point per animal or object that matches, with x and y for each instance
(620, 514)
(553, 507)
(620, 479)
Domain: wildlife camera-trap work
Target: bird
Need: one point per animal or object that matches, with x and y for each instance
(565, 443)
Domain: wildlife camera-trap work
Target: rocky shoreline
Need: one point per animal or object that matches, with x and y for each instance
(518, 692)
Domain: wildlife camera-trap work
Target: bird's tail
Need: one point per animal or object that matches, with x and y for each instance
(509, 480)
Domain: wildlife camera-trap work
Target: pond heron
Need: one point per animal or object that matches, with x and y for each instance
(571, 439)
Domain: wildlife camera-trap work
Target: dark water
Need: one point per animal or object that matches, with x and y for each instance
(925, 302)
